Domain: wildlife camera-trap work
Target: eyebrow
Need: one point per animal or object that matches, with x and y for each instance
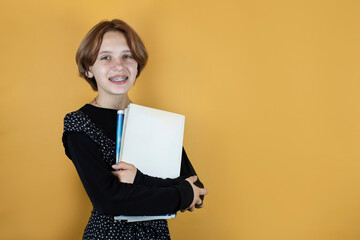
(102, 52)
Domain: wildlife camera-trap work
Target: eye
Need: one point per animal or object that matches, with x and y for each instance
(127, 56)
(105, 58)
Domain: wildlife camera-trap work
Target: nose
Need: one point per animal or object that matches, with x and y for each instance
(118, 65)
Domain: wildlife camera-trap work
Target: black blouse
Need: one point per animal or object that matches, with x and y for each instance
(146, 196)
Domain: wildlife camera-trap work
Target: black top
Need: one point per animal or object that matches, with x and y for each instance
(146, 196)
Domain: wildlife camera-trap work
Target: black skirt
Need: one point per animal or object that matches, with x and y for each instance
(102, 226)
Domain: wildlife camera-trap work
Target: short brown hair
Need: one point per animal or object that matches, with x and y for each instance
(89, 48)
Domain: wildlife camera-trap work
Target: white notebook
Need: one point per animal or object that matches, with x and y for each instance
(152, 140)
(143, 218)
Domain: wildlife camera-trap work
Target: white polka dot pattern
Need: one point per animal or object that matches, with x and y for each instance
(80, 122)
(105, 227)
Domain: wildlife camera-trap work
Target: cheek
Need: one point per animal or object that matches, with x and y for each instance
(134, 68)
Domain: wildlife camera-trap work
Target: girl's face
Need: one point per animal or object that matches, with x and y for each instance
(115, 69)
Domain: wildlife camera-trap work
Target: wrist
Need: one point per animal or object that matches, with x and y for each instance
(186, 193)
(139, 177)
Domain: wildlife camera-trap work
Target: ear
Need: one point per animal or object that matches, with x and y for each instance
(89, 74)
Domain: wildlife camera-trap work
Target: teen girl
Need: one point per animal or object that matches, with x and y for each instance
(110, 58)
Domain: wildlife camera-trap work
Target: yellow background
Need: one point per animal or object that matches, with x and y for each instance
(270, 90)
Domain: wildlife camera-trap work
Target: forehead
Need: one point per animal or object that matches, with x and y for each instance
(114, 39)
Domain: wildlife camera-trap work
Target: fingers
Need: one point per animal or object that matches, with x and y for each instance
(199, 205)
(203, 191)
(194, 178)
(122, 165)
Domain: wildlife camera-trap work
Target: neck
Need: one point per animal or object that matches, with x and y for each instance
(117, 102)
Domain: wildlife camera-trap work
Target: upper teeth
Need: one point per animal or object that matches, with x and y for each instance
(118, 79)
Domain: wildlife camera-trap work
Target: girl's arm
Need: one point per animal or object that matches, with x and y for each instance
(186, 171)
(129, 171)
(112, 197)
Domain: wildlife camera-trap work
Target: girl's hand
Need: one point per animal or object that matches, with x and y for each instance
(197, 202)
(126, 173)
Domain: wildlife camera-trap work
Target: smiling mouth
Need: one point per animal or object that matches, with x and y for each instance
(118, 79)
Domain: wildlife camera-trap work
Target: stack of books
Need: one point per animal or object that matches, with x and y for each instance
(151, 140)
